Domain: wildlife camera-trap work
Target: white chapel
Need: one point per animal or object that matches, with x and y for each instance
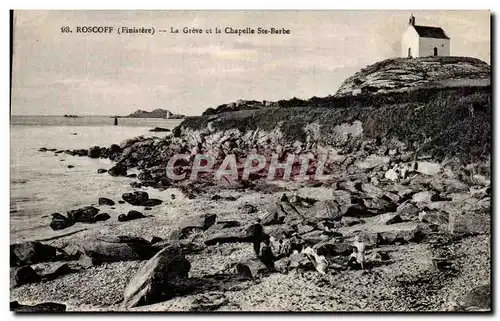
(424, 41)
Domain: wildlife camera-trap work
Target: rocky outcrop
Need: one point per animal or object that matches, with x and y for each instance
(401, 74)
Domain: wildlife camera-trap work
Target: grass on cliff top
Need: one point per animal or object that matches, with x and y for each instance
(438, 121)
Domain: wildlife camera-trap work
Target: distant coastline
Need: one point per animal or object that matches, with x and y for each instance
(156, 113)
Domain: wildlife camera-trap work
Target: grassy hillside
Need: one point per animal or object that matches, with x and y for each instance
(437, 121)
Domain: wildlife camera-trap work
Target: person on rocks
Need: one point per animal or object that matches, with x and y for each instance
(353, 260)
(258, 235)
(356, 260)
(296, 243)
(267, 257)
(319, 261)
(360, 249)
(285, 248)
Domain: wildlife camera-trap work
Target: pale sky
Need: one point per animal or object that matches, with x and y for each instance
(106, 74)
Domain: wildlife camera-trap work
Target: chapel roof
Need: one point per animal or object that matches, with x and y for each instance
(431, 32)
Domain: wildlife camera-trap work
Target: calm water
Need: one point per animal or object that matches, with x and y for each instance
(41, 183)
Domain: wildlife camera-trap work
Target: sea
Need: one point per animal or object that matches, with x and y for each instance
(41, 182)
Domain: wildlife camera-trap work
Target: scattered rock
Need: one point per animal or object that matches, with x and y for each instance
(94, 152)
(101, 171)
(331, 248)
(23, 275)
(116, 248)
(314, 237)
(52, 270)
(153, 202)
(228, 235)
(481, 180)
(158, 279)
(350, 221)
(83, 215)
(159, 129)
(133, 215)
(389, 218)
(400, 235)
(60, 222)
(478, 298)
(433, 217)
(200, 222)
(251, 269)
(407, 210)
(156, 239)
(106, 201)
(425, 197)
(31, 253)
(70, 166)
(118, 170)
(46, 307)
(428, 168)
(101, 217)
(391, 175)
(248, 209)
(136, 198)
(372, 161)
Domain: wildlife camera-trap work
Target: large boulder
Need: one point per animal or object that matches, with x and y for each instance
(137, 198)
(229, 235)
(158, 279)
(23, 275)
(31, 253)
(115, 248)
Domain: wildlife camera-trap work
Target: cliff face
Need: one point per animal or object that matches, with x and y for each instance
(157, 113)
(402, 74)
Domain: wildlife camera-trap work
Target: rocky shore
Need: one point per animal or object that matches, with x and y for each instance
(421, 205)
